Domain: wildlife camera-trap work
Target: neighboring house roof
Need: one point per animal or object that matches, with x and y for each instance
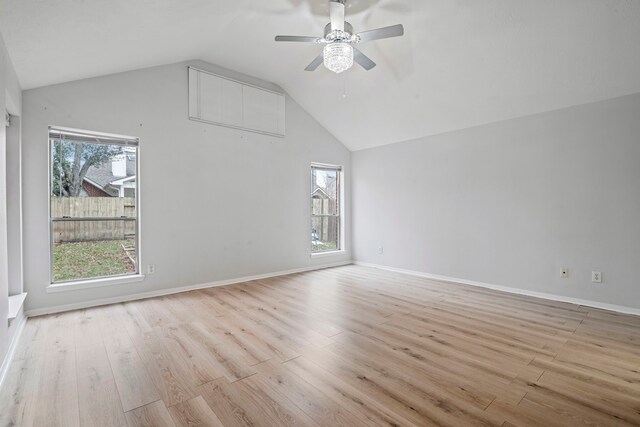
(328, 192)
(102, 176)
(320, 193)
(121, 181)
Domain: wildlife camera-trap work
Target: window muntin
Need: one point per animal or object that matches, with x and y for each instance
(326, 205)
(93, 199)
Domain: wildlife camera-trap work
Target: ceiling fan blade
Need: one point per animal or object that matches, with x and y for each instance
(303, 39)
(315, 63)
(363, 59)
(336, 12)
(382, 33)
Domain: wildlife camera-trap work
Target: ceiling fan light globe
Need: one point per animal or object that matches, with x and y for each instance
(338, 57)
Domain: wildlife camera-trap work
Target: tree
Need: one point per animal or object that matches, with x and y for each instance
(71, 162)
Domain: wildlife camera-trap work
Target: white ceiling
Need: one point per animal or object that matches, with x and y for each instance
(461, 63)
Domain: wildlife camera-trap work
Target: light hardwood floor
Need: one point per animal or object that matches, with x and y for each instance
(348, 346)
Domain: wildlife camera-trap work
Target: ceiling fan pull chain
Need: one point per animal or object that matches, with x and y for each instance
(344, 86)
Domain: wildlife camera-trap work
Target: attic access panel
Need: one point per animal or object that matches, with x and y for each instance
(226, 102)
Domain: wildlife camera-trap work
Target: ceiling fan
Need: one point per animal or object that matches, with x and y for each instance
(339, 51)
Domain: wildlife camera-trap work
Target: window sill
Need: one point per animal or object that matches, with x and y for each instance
(327, 253)
(94, 283)
(15, 304)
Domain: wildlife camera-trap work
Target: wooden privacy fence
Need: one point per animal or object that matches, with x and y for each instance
(326, 226)
(72, 218)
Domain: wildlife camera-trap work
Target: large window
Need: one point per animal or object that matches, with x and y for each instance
(326, 225)
(93, 205)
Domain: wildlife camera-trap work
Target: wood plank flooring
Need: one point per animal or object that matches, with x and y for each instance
(348, 346)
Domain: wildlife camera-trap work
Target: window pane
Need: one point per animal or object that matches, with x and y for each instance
(88, 249)
(92, 182)
(89, 231)
(325, 192)
(324, 206)
(324, 233)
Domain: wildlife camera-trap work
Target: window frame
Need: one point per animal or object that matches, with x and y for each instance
(97, 281)
(340, 211)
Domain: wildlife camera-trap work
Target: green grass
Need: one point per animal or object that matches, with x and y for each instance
(324, 246)
(84, 260)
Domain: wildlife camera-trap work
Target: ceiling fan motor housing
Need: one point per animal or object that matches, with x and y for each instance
(347, 29)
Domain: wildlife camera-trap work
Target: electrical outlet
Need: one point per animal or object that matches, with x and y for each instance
(151, 268)
(380, 250)
(596, 277)
(564, 273)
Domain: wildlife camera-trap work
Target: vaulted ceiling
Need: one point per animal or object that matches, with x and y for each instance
(461, 63)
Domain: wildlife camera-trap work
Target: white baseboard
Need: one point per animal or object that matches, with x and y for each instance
(12, 349)
(161, 292)
(553, 297)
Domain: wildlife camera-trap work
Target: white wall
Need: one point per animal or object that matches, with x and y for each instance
(510, 203)
(10, 100)
(14, 204)
(217, 203)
